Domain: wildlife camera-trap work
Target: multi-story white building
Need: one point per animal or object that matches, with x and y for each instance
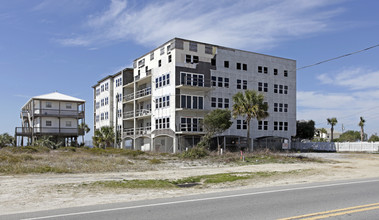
(107, 110)
(55, 115)
(174, 86)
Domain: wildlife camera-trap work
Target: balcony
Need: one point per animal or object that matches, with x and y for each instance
(194, 84)
(140, 94)
(128, 115)
(143, 112)
(137, 131)
(27, 131)
(58, 113)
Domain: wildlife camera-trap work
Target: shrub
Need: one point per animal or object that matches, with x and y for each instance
(194, 153)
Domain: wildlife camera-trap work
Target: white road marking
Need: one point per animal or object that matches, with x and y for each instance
(197, 200)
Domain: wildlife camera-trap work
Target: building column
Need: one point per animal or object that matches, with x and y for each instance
(174, 144)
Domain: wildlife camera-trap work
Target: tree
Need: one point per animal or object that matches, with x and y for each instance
(47, 141)
(6, 140)
(216, 122)
(103, 137)
(249, 105)
(305, 129)
(86, 129)
(374, 138)
(332, 122)
(349, 136)
(362, 124)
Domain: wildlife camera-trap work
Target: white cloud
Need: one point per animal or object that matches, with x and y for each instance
(353, 79)
(253, 24)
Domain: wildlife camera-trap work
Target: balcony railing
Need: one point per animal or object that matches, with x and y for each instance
(128, 114)
(48, 131)
(138, 94)
(143, 92)
(143, 112)
(137, 131)
(57, 112)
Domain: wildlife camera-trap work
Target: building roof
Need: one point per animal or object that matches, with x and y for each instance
(111, 76)
(58, 97)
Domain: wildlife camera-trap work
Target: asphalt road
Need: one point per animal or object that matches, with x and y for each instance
(352, 199)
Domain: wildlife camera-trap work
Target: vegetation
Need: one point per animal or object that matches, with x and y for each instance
(6, 140)
(47, 141)
(86, 129)
(374, 138)
(34, 159)
(250, 105)
(362, 124)
(349, 136)
(332, 122)
(305, 129)
(215, 122)
(103, 137)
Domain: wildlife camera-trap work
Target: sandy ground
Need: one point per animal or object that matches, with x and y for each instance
(26, 193)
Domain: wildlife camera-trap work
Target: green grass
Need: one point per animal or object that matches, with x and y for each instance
(134, 184)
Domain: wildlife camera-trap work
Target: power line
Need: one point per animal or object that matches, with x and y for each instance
(339, 57)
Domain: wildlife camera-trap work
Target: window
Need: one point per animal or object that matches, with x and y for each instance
(213, 62)
(156, 83)
(285, 107)
(48, 105)
(102, 102)
(106, 115)
(260, 86)
(275, 88)
(159, 63)
(162, 51)
(263, 125)
(119, 113)
(280, 126)
(285, 126)
(219, 81)
(226, 82)
(260, 69)
(238, 66)
(214, 81)
(244, 125)
(195, 59)
(102, 88)
(168, 49)
(285, 73)
(275, 125)
(168, 79)
(106, 101)
(275, 107)
(164, 80)
(141, 63)
(244, 66)
(97, 118)
(106, 86)
(188, 58)
(68, 106)
(275, 71)
(152, 56)
(226, 64)
(48, 123)
(208, 49)
(238, 84)
(193, 46)
(160, 81)
(213, 102)
(97, 105)
(265, 70)
(226, 103)
(280, 89)
(219, 102)
(239, 124)
(192, 79)
(280, 107)
(285, 89)
(244, 84)
(169, 58)
(102, 116)
(97, 91)
(68, 123)
(191, 124)
(162, 123)
(265, 87)
(192, 102)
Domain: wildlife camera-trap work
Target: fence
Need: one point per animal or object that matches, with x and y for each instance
(337, 147)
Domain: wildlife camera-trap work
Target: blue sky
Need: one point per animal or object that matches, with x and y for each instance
(68, 45)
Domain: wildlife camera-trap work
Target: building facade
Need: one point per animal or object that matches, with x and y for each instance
(108, 93)
(173, 87)
(53, 115)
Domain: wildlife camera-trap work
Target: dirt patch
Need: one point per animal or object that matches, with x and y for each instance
(25, 193)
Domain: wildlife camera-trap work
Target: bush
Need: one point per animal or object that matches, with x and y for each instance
(194, 153)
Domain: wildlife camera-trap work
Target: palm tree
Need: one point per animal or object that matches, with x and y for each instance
(103, 137)
(362, 124)
(249, 105)
(332, 122)
(86, 129)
